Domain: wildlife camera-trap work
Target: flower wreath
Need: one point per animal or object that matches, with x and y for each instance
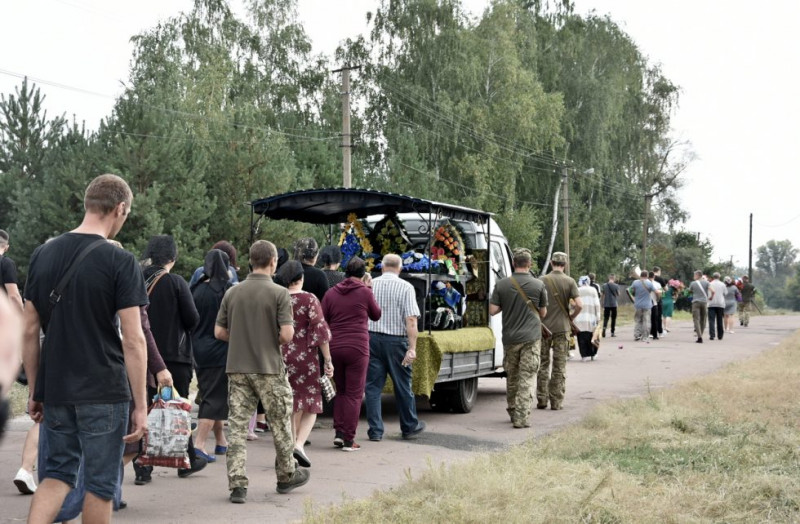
(448, 245)
(354, 241)
(389, 236)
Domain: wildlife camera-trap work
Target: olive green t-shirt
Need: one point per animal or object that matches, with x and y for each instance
(253, 312)
(520, 324)
(560, 288)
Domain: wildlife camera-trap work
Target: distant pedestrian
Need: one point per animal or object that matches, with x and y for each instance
(662, 283)
(655, 311)
(716, 308)
(551, 384)
(593, 283)
(348, 307)
(255, 318)
(732, 298)
(748, 297)
(523, 301)
(84, 376)
(610, 299)
(393, 350)
(643, 304)
(588, 319)
(699, 290)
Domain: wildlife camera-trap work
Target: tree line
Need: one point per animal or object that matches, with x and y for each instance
(492, 112)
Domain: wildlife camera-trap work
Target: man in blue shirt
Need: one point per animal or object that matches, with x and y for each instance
(640, 293)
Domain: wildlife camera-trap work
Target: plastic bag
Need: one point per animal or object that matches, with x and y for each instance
(169, 426)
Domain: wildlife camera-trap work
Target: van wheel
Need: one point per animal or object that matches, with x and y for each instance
(465, 395)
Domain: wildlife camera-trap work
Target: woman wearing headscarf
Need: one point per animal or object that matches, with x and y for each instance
(347, 307)
(311, 333)
(331, 257)
(306, 251)
(173, 316)
(227, 248)
(588, 319)
(211, 354)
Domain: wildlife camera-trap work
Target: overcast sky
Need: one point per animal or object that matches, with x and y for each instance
(735, 65)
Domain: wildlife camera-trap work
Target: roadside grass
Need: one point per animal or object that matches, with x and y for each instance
(721, 448)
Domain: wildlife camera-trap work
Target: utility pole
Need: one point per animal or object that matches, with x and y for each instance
(647, 199)
(565, 178)
(750, 252)
(347, 143)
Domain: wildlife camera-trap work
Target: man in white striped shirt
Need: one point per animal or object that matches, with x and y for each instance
(392, 350)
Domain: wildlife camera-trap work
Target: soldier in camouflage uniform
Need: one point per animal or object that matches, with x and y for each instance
(255, 317)
(551, 385)
(523, 301)
(748, 296)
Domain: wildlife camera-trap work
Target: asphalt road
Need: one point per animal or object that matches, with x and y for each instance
(618, 372)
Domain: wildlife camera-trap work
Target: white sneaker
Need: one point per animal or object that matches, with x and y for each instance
(25, 482)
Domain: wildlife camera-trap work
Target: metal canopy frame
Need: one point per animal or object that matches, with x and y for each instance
(327, 206)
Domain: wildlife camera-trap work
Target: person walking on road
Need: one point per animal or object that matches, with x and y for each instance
(640, 292)
(523, 301)
(349, 306)
(732, 297)
(610, 302)
(255, 318)
(301, 356)
(552, 376)
(748, 296)
(716, 308)
(392, 350)
(699, 290)
(84, 376)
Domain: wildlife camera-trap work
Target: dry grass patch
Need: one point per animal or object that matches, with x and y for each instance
(723, 448)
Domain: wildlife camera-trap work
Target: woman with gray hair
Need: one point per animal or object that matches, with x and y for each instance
(306, 251)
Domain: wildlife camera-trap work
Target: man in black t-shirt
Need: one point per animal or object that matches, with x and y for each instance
(8, 272)
(84, 377)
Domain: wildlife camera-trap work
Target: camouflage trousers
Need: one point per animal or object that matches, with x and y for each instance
(551, 385)
(244, 392)
(744, 313)
(521, 362)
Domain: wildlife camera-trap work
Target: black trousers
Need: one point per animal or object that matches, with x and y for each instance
(715, 317)
(655, 320)
(610, 312)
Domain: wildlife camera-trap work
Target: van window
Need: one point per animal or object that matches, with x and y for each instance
(498, 262)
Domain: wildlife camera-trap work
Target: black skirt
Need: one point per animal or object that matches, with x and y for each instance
(585, 345)
(212, 385)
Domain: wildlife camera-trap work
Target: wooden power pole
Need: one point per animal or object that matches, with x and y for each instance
(565, 177)
(347, 143)
(750, 253)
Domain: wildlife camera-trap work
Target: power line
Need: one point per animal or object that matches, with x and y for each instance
(161, 108)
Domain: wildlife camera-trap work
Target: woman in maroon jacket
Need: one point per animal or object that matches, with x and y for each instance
(346, 307)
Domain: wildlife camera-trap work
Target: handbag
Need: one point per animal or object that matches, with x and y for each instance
(169, 427)
(328, 389)
(546, 333)
(573, 328)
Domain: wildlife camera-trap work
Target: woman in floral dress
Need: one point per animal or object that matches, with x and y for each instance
(301, 357)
